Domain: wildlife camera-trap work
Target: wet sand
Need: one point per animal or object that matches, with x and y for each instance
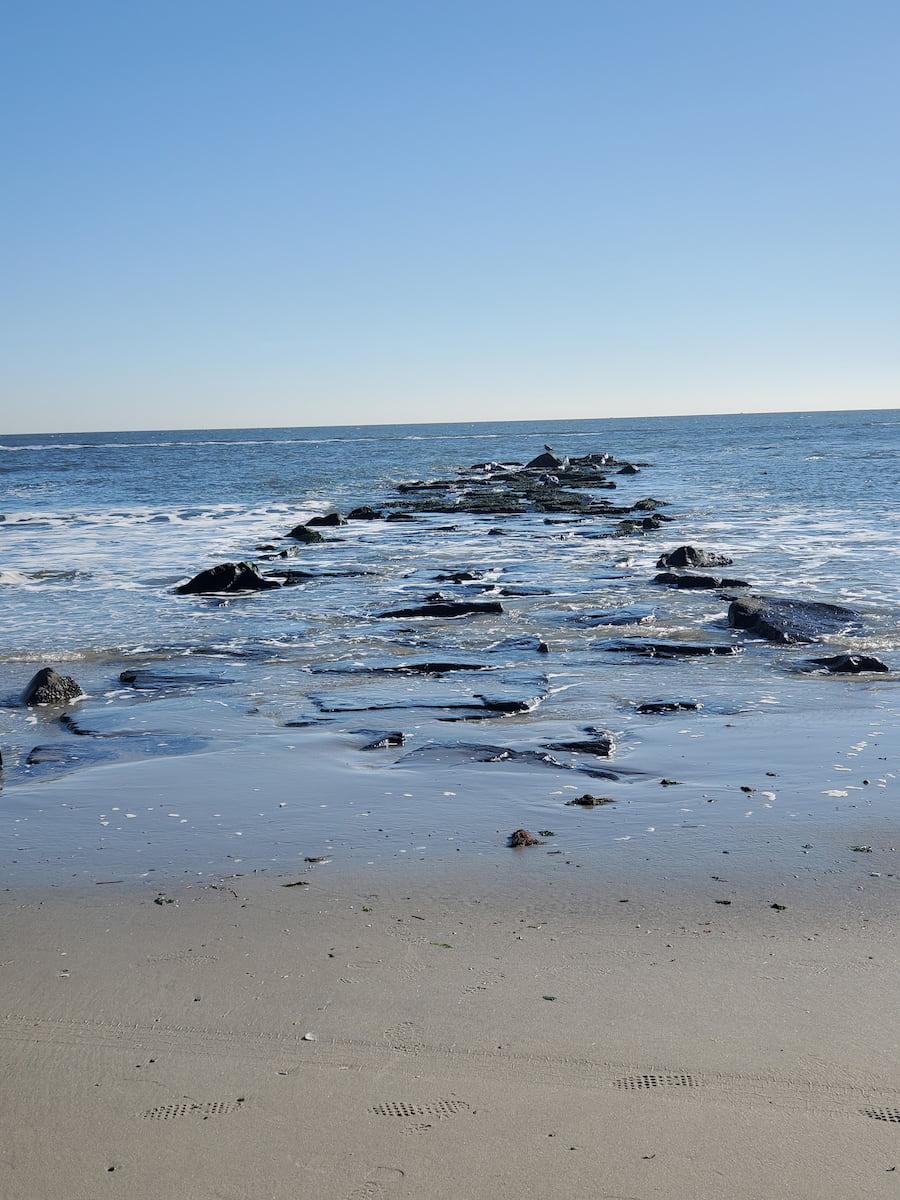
(517, 1027)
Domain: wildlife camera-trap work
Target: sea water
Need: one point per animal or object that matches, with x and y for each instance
(257, 756)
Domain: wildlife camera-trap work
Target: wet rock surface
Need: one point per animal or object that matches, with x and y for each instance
(691, 556)
(851, 664)
(685, 579)
(447, 608)
(47, 686)
(791, 621)
(227, 577)
(666, 649)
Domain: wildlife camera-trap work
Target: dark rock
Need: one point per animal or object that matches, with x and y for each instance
(468, 752)
(850, 664)
(382, 739)
(638, 615)
(227, 577)
(459, 577)
(62, 756)
(332, 518)
(80, 730)
(791, 621)
(401, 516)
(544, 462)
(588, 801)
(522, 591)
(160, 681)
(524, 641)
(600, 747)
(459, 608)
(648, 504)
(365, 512)
(690, 556)
(667, 706)
(683, 580)
(495, 532)
(48, 687)
(502, 704)
(303, 533)
(628, 469)
(412, 668)
(664, 649)
(291, 577)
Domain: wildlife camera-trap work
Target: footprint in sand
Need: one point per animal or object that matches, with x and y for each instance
(381, 1182)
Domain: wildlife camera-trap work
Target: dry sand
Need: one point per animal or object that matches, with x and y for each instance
(448, 1031)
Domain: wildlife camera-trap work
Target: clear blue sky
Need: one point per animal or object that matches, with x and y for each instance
(301, 212)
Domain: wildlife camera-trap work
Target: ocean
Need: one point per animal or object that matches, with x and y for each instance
(245, 745)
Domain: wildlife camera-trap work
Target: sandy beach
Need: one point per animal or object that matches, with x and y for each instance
(485, 1030)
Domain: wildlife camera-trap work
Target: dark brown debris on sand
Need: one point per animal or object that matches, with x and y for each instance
(522, 837)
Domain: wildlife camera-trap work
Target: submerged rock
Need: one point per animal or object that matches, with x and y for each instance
(49, 687)
(850, 664)
(382, 739)
(601, 746)
(684, 580)
(790, 621)
(638, 615)
(663, 649)
(227, 577)
(448, 608)
(162, 681)
(667, 706)
(410, 668)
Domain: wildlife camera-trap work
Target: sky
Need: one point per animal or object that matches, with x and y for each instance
(231, 213)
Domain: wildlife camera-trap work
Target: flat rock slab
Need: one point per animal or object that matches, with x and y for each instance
(510, 694)
(791, 621)
(456, 753)
(665, 649)
(599, 747)
(639, 614)
(62, 757)
(650, 707)
(850, 664)
(461, 608)
(380, 739)
(679, 579)
(164, 681)
(427, 667)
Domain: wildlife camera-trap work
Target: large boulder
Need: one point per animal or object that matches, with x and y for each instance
(690, 556)
(790, 621)
(48, 687)
(227, 577)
